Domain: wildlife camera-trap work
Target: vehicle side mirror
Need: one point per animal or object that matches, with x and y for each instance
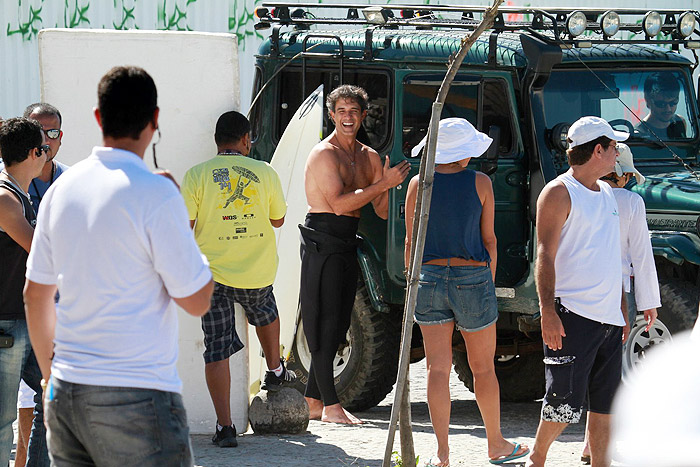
(489, 164)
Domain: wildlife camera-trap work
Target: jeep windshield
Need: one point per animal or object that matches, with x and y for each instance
(657, 102)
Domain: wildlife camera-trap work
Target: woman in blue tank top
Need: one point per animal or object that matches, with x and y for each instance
(457, 283)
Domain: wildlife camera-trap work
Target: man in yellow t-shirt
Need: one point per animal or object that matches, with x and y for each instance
(234, 202)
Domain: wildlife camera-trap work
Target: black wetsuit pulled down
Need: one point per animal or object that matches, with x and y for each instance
(329, 273)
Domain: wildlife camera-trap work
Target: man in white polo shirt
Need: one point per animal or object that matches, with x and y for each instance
(579, 284)
(114, 238)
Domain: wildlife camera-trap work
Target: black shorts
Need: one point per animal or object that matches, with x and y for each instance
(588, 366)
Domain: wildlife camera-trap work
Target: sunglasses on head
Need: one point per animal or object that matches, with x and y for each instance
(663, 103)
(53, 133)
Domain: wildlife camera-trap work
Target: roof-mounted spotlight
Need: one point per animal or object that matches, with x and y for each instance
(261, 13)
(651, 23)
(576, 23)
(686, 24)
(377, 14)
(610, 23)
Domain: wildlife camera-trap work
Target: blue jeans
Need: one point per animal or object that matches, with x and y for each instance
(18, 362)
(115, 426)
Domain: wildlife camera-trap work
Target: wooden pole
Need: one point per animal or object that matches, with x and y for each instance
(425, 188)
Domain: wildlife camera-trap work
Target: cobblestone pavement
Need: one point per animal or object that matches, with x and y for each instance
(362, 446)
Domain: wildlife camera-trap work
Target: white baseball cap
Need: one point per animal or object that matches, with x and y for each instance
(457, 140)
(624, 163)
(586, 129)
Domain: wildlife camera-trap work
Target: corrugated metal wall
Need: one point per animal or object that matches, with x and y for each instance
(20, 20)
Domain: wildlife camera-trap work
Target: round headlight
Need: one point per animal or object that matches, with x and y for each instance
(686, 24)
(576, 23)
(610, 23)
(652, 23)
(559, 135)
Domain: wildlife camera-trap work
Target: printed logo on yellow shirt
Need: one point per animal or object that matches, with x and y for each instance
(243, 178)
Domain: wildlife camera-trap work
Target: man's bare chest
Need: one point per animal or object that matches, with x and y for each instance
(354, 176)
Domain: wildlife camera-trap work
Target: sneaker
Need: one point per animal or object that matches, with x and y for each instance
(226, 437)
(274, 383)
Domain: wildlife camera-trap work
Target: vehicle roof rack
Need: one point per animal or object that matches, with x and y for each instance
(566, 25)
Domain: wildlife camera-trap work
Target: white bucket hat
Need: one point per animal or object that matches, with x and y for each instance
(587, 129)
(624, 163)
(457, 140)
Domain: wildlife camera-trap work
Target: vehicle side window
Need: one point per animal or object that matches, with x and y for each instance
(418, 98)
(375, 130)
(462, 101)
(498, 112)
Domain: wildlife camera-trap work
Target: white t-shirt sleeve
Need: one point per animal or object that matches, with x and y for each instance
(40, 266)
(176, 256)
(646, 283)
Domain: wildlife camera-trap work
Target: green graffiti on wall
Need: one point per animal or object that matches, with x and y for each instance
(31, 26)
(128, 19)
(242, 24)
(176, 20)
(77, 17)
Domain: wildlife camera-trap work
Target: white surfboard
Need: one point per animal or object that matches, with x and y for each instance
(302, 133)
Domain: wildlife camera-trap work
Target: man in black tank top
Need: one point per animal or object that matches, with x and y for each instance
(24, 155)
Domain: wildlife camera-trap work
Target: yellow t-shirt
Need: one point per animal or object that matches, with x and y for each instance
(233, 198)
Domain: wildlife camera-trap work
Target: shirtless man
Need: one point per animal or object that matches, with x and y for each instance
(342, 175)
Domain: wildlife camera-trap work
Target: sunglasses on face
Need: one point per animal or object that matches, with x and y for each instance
(43, 149)
(662, 103)
(53, 133)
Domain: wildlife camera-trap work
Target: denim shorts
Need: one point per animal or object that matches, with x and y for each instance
(463, 294)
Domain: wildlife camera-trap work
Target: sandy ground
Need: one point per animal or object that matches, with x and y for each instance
(363, 446)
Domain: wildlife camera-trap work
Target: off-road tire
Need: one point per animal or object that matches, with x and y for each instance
(520, 379)
(370, 372)
(679, 304)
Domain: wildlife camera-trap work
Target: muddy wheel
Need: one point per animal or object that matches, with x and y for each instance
(679, 304)
(365, 366)
(520, 377)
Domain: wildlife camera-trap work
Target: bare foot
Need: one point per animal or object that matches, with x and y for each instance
(337, 414)
(533, 461)
(437, 462)
(507, 451)
(315, 408)
(586, 454)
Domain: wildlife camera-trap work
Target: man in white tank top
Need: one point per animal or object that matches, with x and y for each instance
(579, 284)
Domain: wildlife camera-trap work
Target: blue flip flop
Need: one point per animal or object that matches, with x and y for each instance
(511, 456)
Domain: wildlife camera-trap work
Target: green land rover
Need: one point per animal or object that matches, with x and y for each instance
(523, 82)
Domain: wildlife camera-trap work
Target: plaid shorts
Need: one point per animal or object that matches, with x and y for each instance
(219, 325)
